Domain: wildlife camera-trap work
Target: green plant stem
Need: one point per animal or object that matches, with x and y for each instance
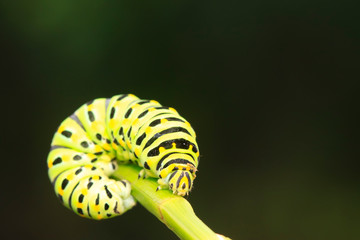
(174, 211)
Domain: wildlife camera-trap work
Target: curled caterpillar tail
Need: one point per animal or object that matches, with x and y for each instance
(102, 133)
(82, 185)
(93, 195)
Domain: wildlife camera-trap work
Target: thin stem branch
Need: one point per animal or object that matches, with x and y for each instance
(174, 211)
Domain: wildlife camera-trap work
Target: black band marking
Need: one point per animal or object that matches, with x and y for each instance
(166, 131)
(141, 102)
(160, 108)
(78, 171)
(143, 113)
(172, 175)
(81, 198)
(80, 211)
(72, 192)
(162, 159)
(122, 97)
(84, 144)
(121, 131)
(179, 179)
(127, 114)
(57, 161)
(108, 193)
(179, 161)
(98, 136)
(64, 183)
(88, 210)
(140, 139)
(97, 201)
(189, 179)
(155, 122)
(91, 116)
(115, 208)
(112, 113)
(66, 133)
(180, 144)
(146, 166)
(174, 119)
(89, 185)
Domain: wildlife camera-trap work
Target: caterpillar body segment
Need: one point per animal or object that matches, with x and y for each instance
(105, 132)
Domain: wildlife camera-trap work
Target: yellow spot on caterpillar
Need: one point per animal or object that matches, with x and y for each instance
(88, 166)
(172, 109)
(122, 143)
(79, 205)
(91, 156)
(96, 177)
(154, 102)
(61, 192)
(151, 109)
(106, 158)
(117, 103)
(135, 122)
(66, 158)
(75, 137)
(107, 147)
(173, 145)
(114, 146)
(70, 177)
(97, 126)
(90, 107)
(128, 144)
(112, 123)
(99, 217)
(135, 106)
(125, 122)
(98, 148)
(161, 149)
(190, 147)
(60, 129)
(132, 95)
(163, 120)
(197, 154)
(187, 123)
(148, 130)
(50, 164)
(97, 208)
(84, 191)
(137, 152)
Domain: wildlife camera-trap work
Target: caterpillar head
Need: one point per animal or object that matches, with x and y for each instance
(180, 182)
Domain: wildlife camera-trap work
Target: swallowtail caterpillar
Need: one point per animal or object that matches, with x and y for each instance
(105, 132)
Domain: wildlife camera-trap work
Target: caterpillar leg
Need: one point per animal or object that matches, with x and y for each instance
(142, 174)
(162, 185)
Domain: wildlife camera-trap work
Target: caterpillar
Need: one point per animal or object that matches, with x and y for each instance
(88, 146)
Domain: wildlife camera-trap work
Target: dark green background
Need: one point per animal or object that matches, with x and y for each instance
(271, 88)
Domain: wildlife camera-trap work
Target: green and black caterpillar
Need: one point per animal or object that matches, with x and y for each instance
(105, 132)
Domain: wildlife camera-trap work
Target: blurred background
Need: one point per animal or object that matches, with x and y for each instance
(271, 88)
